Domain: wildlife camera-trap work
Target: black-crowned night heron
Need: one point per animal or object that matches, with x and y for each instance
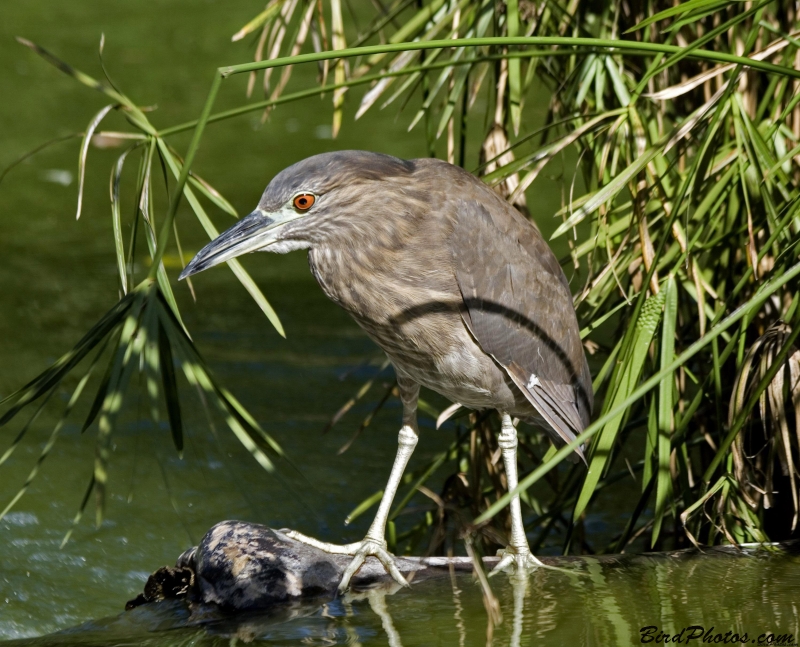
(454, 284)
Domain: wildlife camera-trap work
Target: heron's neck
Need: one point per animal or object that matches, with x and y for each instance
(347, 275)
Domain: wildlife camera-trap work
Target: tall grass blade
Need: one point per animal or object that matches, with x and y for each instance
(338, 42)
(171, 396)
(56, 372)
(273, 7)
(87, 139)
(235, 265)
(51, 441)
(124, 363)
(665, 404)
(116, 220)
(629, 379)
(514, 81)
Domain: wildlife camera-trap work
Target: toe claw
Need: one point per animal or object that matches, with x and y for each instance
(503, 564)
(389, 564)
(359, 558)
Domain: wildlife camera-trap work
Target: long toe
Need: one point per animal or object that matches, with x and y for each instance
(389, 563)
(514, 561)
(371, 548)
(324, 546)
(351, 569)
(504, 565)
(360, 550)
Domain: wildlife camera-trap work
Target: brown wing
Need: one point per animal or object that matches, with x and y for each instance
(519, 309)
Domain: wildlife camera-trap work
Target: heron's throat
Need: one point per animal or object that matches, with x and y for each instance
(286, 246)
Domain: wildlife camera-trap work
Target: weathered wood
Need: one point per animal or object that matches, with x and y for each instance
(243, 566)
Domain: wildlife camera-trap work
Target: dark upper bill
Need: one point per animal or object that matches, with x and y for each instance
(252, 233)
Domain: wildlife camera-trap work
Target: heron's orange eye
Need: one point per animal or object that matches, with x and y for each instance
(304, 201)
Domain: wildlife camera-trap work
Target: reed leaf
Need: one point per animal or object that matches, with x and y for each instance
(665, 404)
(626, 383)
(676, 161)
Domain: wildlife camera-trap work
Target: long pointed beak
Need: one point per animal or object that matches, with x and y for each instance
(253, 232)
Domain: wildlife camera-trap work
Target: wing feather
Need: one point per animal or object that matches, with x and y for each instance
(519, 309)
(553, 411)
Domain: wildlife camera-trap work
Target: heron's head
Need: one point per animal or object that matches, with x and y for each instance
(304, 205)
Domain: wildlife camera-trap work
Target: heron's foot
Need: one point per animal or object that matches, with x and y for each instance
(516, 562)
(360, 550)
(366, 548)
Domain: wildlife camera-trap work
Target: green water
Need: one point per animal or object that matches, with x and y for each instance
(607, 601)
(57, 277)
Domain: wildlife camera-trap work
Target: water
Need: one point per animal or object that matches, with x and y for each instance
(606, 601)
(57, 277)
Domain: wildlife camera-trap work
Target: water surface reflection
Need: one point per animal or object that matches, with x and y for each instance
(597, 601)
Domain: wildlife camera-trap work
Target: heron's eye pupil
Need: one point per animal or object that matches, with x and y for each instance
(304, 201)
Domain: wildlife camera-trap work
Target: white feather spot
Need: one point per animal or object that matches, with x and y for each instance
(285, 246)
(533, 381)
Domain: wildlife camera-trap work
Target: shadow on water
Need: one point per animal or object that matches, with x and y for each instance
(614, 600)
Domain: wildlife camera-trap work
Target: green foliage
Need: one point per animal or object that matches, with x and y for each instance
(681, 221)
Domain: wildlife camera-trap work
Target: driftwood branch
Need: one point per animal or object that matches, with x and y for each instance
(243, 566)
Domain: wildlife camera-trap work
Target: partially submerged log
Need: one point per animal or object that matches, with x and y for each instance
(243, 566)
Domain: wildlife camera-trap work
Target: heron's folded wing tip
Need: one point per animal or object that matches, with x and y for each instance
(548, 399)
